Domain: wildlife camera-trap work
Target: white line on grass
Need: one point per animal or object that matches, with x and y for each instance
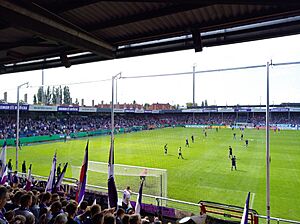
(252, 200)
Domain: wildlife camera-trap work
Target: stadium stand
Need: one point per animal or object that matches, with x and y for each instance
(35, 124)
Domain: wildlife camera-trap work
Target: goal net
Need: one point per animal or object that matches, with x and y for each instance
(155, 179)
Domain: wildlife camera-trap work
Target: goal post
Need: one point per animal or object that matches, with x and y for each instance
(126, 175)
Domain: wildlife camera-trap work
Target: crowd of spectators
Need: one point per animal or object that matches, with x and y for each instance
(18, 206)
(50, 125)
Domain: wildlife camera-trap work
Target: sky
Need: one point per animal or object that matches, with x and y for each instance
(221, 88)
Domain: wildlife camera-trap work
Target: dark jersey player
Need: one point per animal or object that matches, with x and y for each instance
(187, 142)
(234, 135)
(180, 153)
(242, 137)
(230, 152)
(233, 163)
(246, 142)
(192, 137)
(166, 149)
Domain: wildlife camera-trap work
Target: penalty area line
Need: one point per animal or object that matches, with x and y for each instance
(252, 200)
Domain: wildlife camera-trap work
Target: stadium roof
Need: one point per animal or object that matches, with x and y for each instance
(51, 33)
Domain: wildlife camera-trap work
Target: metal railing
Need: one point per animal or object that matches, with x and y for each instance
(189, 207)
(277, 220)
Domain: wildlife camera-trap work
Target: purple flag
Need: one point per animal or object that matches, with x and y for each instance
(60, 178)
(112, 190)
(51, 178)
(82, 179)
(28, 179)
(246, 210)
(139, 199)
(3, 159)
(4, 176)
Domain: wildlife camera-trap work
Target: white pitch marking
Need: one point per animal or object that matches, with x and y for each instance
(252, 200)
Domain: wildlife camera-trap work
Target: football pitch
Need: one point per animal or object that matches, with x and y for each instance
(204, 173)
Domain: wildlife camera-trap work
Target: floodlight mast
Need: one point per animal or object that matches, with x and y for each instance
(18, 122)
(117, 76)
(194, 69)
(268, 147)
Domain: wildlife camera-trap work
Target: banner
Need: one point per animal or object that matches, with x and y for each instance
(280, 109)
(155, 111)
(42, 108)
(139, 111)
(88, 109)
(226, 110)
(242, 110)
(13, 107)
(209, 110)
(197, 126)
(119, 110)
(67, 109)
(129, 110)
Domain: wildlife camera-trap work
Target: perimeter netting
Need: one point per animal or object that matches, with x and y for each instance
(125, 175)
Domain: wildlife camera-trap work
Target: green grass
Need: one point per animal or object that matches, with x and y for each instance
(205, 172)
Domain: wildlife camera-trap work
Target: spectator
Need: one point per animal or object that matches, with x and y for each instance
(97, 219)
(34, 208)
(109, 219)
(24, 167)
(45, 200)
(119, 216)
(125, 219)
(3, 199)
(82, 207)
(55, 211)
(71, 209)
(15, 180)
(95, 209)
(126, 197)
(9, 216)
(58, 171)
(54, 198)
(61, 219)
(19, 219)
(135, 219)
(26, 201)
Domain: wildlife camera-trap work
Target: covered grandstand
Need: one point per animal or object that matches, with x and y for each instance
(47, 34)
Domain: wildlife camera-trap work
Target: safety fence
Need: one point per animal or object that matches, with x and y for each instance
(173, 208)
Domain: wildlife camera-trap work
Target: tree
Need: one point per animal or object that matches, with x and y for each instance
(202, 104)
(146, 105)
(60, 95)
(48, 96)
(76, 101)
(54, 96)
(57, 96)
(40, 95)
(67, 95)
(134, 102)
(189, 105)
(34, 99)
(205, 103)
